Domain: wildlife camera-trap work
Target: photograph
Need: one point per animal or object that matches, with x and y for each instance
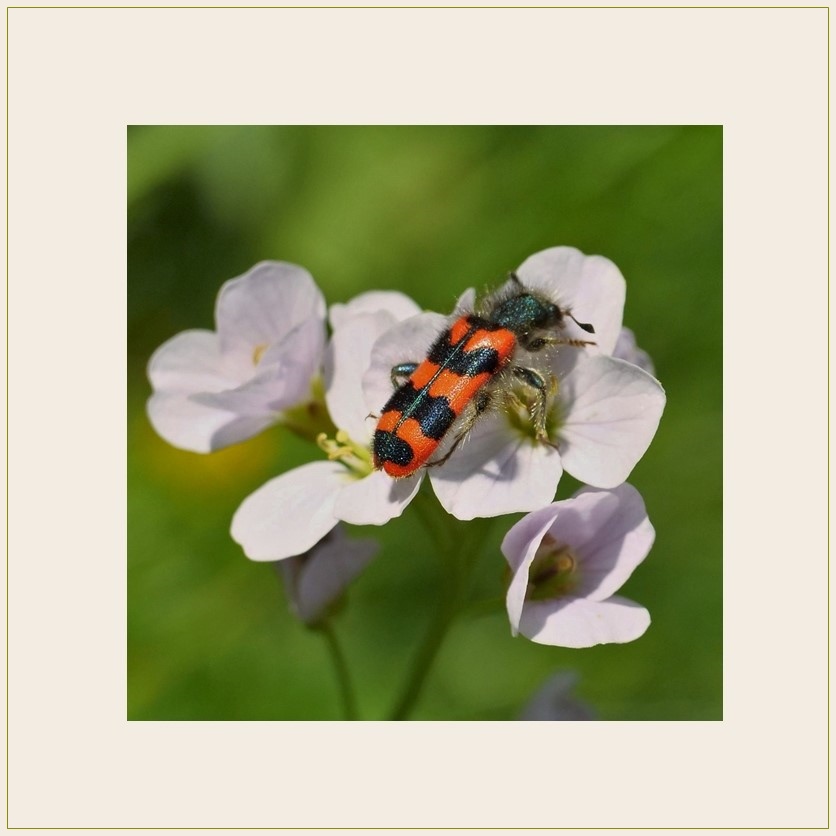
(424, 422)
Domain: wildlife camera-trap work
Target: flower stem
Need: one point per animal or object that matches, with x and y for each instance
(458, 553)
(341, 668)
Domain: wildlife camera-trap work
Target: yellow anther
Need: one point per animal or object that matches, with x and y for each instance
(258, 352)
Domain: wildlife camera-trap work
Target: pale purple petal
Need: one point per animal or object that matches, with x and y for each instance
(555, 700)
(346, 360)
(277, 383)
(192, 426)
(191, 362)
(405, 342)
(579, 622)
(392, 301)
(290, 513)
(611, 534)
(496, 471)
(375, 499)
(592, 287)
(519, 547)
(318, 578)
(466, 303)
(627, 349)
(611, 412)
(261, 306)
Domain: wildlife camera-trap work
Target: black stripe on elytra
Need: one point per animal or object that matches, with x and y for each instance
(432, 413)
(389, 448)
(470, 363)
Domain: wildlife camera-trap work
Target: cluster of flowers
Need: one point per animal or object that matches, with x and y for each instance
(271, 361)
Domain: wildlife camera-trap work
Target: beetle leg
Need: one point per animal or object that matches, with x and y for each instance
(480, 403)
(401, 371)
(542, 389)
(538, 343)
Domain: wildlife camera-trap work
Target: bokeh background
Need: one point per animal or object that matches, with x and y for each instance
(429, 211)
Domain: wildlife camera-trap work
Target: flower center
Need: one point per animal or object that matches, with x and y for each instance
(521, 408)
(554, 572)
(258, 352)
(356, 457)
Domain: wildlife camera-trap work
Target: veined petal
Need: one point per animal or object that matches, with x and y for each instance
(190, 362)
(346, 359)
(591, 286)
(392, 301)
(611, 412)
(519, 547)
(611, 534)
(496, 471)
(579, 622)
(289, 514)
(281, 380)
(404, 342)
(261, 306)
(318, 578)
(189, 425)
(627, 349)
(375, 499)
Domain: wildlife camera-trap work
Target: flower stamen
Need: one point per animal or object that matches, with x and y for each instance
(356, 457)
(258, 352)
(553, 572)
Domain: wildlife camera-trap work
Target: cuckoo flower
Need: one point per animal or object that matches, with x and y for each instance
(289, 514)
(567, 561)
(316, 581)
(603, 416)
(216, 388)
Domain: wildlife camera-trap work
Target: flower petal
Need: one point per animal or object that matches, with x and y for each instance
(611, 534)
(289, 514)
(346, 360)
(392, 301)
(190, 362)
(404, 342)
(590, 286)
(519, 547)
(466, 303)
(193, 426)
(579, 622)
(318, 578)
(496, 471)
(627, 349)
(261, 306)
(611, 412)
(283, 378)
(375, 499)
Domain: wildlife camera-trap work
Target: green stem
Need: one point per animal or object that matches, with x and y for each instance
(341, 668)
(458, 554)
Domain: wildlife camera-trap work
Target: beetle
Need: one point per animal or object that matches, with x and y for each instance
(472, 360)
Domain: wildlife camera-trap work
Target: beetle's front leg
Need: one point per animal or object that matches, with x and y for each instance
(541, 388)
(400, 372)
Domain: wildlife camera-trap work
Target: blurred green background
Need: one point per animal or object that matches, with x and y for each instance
(429, 211)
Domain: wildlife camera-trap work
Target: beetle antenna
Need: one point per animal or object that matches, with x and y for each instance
(585, 325)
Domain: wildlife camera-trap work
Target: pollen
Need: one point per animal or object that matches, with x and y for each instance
(258, 353)
(553, 572)
(344, 450)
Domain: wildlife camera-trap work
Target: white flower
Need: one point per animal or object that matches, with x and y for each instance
(315, 581)
(292, 512)
(216, 388)
(603, 417)
(568, 560)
